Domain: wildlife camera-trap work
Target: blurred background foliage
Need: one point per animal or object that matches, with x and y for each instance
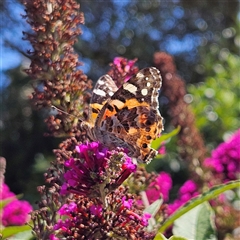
(202, 36)
(215, 101)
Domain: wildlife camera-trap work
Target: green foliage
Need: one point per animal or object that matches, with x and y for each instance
(160, 236)
(196, 224)
(154, 207)
(156, 144)
(206, 196)
(14, 232)
(153, 210)
(216, 101)
(163, 161)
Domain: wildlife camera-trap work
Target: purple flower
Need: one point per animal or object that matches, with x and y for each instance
(96, 210)
(185, 193)
(127, 203)
(96, 168)
(129, 165)
(159, 187)
(66, 209)
(58, 225)
(145, 218)
(5, 192)
(89, 215)
(53, 237)
(16, 213)
(124, 66)
(162, 150)
(122, 70)
(225, 159)
(188, 187)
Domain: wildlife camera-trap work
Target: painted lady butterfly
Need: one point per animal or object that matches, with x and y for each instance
(128, 116)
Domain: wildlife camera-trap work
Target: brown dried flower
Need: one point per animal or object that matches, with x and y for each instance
(54, 66)
(190, 142)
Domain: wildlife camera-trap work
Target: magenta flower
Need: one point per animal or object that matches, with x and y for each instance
(67, 208)
(96, 210)
(127, 203)
(159, 187)
(225, 159)
(145, 218)
(162, 150)
(53, 237)
(16, 213)
(95, 169)
(185, 193)
(124, 65)
(90, 218)
(122, 70)
(5, 192)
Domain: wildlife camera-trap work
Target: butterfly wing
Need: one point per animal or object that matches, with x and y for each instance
(130, 118)
(103, 90)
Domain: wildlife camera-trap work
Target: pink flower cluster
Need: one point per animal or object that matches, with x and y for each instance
(75, 214)
(224, 162)
(16, 212)
(225, 159)
(159, 187)
(186, 192)
(95, 165)
(125, 66)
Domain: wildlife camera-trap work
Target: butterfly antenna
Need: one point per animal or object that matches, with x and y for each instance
(69, 114)
(59, 110)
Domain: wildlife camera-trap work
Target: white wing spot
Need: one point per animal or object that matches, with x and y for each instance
(148, 84)
(146, 78)
(144, 92)
(99, 92)
(140, 75)
(100, 82)
(110, 93)
(130, 87)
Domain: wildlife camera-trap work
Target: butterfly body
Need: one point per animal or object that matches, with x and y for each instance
(128, 116)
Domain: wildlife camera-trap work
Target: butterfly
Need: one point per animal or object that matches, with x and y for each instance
(128, 116)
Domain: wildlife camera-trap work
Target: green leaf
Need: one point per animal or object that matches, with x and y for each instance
(160, 236)
(6, 201)
(177, 238)
(196, 223)
(13, 230)
(153, 209)
(206, 228)
(26, 235)
(156, 144)
(210, 194)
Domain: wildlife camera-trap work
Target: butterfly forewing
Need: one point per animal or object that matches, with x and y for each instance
(103, 90)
